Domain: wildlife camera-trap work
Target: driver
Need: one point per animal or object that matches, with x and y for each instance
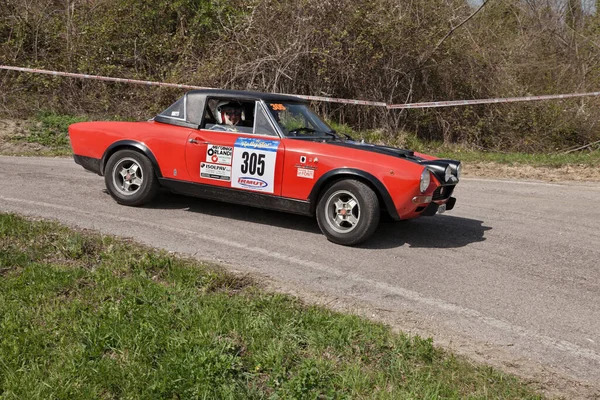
(229, 113)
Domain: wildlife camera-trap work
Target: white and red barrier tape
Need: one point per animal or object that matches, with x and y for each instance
(453, 103)
(343, 101)
(432, 104)
(176, 85)
(100, 78)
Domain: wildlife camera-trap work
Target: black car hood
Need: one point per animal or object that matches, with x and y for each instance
(438, 166)
(387, 150)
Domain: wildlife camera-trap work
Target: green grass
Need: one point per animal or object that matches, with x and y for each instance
(51, 131)
(89, 316)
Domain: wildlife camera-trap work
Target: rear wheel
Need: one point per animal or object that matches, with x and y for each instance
(130, 179)
(348, 212)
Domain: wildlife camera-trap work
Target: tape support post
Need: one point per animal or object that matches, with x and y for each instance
(432, 104)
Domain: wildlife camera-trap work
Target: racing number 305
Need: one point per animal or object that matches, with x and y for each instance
(253, 164)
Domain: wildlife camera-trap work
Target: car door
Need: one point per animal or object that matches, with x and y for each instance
(248, 158)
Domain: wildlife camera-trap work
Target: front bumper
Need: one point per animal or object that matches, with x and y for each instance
(433, 208)
(425, 205)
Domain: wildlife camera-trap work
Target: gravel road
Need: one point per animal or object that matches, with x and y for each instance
(509, 277)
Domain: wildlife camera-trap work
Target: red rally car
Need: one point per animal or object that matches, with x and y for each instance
(268, 151)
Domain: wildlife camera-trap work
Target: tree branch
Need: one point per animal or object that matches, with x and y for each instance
(451, 31)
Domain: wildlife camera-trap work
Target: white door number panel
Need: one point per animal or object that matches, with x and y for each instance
(253, 165)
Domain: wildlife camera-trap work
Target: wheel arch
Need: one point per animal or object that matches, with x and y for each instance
(351, 173)
(131, 145)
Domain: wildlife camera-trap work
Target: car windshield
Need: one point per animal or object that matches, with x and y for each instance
(297, 120)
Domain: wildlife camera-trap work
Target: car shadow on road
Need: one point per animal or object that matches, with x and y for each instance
(171, 201)
(440, 231)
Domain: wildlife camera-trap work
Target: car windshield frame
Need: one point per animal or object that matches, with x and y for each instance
(302, 123)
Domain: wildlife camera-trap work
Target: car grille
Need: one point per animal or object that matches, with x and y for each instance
(443, 192)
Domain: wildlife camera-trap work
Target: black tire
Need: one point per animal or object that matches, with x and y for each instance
(130, 178)
(348, 212)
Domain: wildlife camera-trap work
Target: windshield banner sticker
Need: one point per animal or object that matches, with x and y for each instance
(278, 107)
(253, 166)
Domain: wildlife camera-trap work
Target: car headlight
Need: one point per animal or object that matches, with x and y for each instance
(448, 174)
(425, 180)
(458, 169)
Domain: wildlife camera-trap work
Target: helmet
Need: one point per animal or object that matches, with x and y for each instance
(224, 106)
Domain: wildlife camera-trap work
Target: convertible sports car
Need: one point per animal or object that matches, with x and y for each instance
(268, 151)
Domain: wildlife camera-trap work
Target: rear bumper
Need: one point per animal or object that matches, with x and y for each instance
(89, 163)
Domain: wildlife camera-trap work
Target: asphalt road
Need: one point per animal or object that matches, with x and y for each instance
(510, 276)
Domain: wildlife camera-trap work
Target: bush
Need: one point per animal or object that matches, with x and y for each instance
(367, 49)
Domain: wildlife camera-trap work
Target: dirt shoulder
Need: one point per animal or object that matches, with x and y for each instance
(568, 173)
(11, 129)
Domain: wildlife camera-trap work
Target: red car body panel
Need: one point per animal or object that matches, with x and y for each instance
(171, 147)
(195, 154)
(167, 142)
(400, 177)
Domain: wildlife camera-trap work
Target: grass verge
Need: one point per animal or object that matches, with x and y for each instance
(589, 157)
(90, 316)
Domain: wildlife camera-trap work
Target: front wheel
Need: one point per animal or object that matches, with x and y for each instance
(348, 212)
(130, 178)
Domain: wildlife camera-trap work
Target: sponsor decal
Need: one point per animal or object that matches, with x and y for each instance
(303, 159)
(215, 171)
(251, 183)
(174, 113)
(219, 154)
(306, 173)
(306, 166)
